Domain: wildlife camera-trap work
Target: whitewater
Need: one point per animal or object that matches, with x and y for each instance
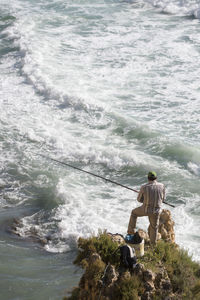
(108, 86)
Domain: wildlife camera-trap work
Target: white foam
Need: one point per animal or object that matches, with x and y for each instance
(195, 168)
(176, 6)
(79, 86)
(197, 13)
(187, 227)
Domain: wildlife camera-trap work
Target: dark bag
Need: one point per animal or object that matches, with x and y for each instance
(127, 256)
(133, 239)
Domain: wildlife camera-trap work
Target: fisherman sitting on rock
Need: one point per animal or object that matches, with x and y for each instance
(151, 195)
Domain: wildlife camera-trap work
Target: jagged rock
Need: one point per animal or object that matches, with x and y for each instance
(166, 226)
(43, 241)
(165, 229)
(127, 275)
(165, 284)
(163, 232)
(13, 228)
(148, 278)
(17, 222)
(144, 235)
(159, 236)
(110, 276)
(148, 275)
(161, 278)
(149, 286)
(139, 269)
(158, 278)
(32, 233)
(114, 282)
(117, 238)
(147, 296)
(95, 256)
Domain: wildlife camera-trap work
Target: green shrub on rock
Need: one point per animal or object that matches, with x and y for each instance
(128, 288)
(196, 290)
(181, 269)
(164, 272)
(102, 244)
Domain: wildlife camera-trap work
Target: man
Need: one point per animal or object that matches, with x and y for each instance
(151, 195)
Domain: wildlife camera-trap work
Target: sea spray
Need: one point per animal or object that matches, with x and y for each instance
(112, 87)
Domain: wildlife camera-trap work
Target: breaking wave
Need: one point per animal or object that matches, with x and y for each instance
(177, 7)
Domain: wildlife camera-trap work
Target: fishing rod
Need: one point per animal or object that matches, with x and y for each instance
(95, 175)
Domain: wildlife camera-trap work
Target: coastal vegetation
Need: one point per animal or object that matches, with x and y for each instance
(164, 272)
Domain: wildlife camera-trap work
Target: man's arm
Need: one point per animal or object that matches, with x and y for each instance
(164, 195)
(140, 197)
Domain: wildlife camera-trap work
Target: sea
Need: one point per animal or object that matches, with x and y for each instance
(110, 87)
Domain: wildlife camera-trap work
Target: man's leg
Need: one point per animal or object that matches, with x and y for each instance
(153, 227)
(137, 212)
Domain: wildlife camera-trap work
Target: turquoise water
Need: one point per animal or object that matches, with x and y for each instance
(108, 86)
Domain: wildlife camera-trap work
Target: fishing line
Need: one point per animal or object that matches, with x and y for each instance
(93, 174)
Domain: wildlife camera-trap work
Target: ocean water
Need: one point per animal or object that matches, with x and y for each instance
(108, 86)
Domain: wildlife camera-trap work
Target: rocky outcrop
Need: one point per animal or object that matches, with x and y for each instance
(149, 283)
(144, 235)
(118, 238)
(165, 272)
(110, 276)
(31, 233)
(166, 226)
(165, 229)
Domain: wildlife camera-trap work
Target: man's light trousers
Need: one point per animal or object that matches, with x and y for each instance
(153, 220)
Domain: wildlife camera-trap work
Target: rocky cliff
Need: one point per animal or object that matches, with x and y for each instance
(164, 272)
